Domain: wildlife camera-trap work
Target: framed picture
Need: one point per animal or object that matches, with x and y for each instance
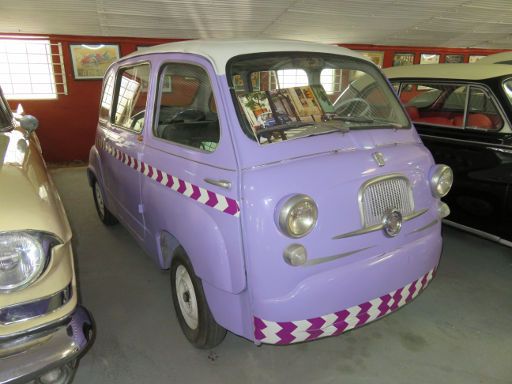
(91, 61)
(429, 58)
(401, 59)
(475, 58)
(452, 59)
(376, 57)
(140, 48)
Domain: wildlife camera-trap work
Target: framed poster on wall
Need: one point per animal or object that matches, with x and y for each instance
(429, 58)
(91, 61)
(475, 58)
(452, 59)
(401, 59)
(377, 57)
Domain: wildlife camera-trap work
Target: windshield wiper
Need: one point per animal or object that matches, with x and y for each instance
(354, 119)
(298, 124)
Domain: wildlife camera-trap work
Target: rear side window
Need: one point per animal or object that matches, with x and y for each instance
(106, 98)
(131, 94)
(186, 112)
(451, 105)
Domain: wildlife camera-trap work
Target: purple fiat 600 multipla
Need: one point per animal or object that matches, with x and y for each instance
(319, 223)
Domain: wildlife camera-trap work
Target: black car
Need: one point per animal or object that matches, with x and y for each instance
(463, 113)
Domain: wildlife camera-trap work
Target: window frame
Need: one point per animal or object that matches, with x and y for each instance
(157, 105)
(484, 87)
(55, 70)
(111, 72)
(115, 96)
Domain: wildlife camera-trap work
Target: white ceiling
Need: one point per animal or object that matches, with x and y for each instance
(440, 23)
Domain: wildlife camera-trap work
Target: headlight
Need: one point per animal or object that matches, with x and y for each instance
(441, 180)
(298, 216)
(22, 257)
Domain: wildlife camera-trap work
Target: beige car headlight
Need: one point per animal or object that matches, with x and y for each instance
(441, 180)
(23, 257)
(298, 216)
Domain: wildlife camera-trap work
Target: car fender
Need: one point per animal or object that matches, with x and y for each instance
(94, 172)
(215, 259)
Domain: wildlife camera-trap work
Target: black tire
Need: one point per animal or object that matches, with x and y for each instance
(207, 333)
(104, 214)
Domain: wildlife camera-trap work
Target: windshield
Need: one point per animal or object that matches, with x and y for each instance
(284, 96)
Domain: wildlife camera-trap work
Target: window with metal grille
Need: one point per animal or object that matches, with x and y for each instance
(31, 69)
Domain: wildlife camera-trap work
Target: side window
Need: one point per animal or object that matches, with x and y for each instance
(131, 93)
(186, 110)
(482, 112)
(106, 98)
(434, 104)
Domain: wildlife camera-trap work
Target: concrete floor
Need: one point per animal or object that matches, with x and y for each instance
(458, 331)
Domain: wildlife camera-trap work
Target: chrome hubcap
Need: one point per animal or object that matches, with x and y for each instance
(187, 297)
(99, 200)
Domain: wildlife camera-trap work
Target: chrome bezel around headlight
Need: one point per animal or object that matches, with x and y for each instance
(42, 243)
(287, 209)
(435, 179)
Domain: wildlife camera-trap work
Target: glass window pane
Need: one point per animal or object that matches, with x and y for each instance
(106, 99)
(23, 64)
(186, 109)
(482, 112)
(131, 96)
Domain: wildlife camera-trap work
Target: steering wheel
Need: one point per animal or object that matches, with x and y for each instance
(188, 115)
(355, 101)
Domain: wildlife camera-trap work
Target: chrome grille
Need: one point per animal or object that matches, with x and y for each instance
(382, 194)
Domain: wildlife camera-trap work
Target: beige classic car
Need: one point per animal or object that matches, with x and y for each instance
(43, 330)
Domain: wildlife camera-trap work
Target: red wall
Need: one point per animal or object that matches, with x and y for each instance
(67, 125)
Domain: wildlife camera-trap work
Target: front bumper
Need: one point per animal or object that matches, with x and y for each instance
(31, 354)
(332, 324)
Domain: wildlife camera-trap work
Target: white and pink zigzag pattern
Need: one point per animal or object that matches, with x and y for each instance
(288, 332)
(201, 195)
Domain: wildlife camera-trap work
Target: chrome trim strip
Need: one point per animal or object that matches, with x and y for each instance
(415, 214)
(53, 303)
(479, 233)
(431, 224)
(449, 139)
(502, 150)
(379, 226)
(33, 354)
(334, 257)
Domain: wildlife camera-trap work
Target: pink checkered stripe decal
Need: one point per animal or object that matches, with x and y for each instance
(289, 332)
(201, 195)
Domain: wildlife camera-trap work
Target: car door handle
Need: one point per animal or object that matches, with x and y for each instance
(219, 183)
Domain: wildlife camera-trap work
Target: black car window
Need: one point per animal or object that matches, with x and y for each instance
(186, 111)
(507, 86)
(444, 104)
(482, 112)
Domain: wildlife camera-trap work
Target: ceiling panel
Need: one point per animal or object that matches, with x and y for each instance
(454, 23)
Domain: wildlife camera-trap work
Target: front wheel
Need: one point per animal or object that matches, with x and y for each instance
(194, 316)
(104, 214)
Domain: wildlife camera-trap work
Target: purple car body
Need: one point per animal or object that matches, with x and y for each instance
(223, 206)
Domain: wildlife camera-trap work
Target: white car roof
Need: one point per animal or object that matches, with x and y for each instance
(496, 58)
(449, 71)
(219, 51)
